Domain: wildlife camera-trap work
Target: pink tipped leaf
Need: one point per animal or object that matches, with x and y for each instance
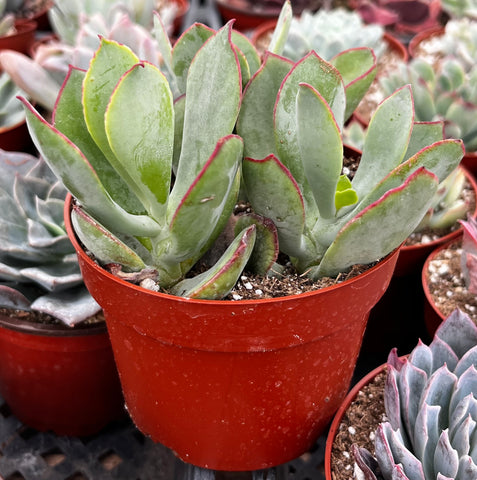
(274, 194)
(139, 123)
(217, 282)
(382, 226)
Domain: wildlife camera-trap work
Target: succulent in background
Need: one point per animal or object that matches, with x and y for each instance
(447, 92)
(38, 265)
(329, 32)
(460, 8)
(402, 16)
(431, 405)
(11, 111)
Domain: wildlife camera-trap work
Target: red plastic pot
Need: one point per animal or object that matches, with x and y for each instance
(58, 378)
(234, 385)
(433, 317)
(335, 424)
(16, 138)
(22, 39)
(420, 37)
(249, 14)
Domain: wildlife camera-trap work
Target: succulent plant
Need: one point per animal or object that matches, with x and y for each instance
(460, 8)
(431, 406)
(41, 77)
(403, 16)
(447, 206)
(292, 139)
(120, 170)
(329, 32)
(66, 18)
(447, 94)
(38, 265)
(11, 112)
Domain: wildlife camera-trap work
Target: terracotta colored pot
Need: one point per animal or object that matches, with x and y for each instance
(470, 162)
(183, 8)
(234, 385)
(59, 378)
(248, 15)
(22, 39)
(433, 317)
(335, 424)
(413, 46)
(412, 257)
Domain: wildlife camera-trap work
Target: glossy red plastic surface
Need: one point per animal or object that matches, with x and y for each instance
(60, 379)
(238, 385)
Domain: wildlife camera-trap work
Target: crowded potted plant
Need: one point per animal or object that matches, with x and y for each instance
(426, 413)
(204, 370)
(15, 34)
(57, 370)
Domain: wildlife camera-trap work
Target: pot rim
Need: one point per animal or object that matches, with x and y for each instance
(425, 269)
(350, 396)
(289, 298)
(51, 330)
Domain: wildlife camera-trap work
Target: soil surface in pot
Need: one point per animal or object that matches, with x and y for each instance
(446, 283)
(44, 318)
(31, 8)
(358, 425)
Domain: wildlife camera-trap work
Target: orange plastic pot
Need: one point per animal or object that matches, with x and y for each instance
(234, 385)
(59, 378)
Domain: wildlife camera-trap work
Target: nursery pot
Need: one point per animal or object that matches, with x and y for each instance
(22, 39)
(59, 378)
(234, 385)
(338, 418)
(433, 317)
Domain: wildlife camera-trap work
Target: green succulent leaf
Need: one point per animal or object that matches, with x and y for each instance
(423, 134)
(203, 207)
(345, 194)
(249, 51)
(322, 166)
(391, 220)
(217, 107)
(255, 121)
(386, 141)
(358, 67)
(106, 68)
(107, 248)
(274, 194)
(280, 33)
(144, 146)
(186, 47)
(217, 282)
(68, 118)
(265, 251)
(72, 167)
(325, 79)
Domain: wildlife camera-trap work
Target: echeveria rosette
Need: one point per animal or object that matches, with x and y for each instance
(115, 154)
(291, 120)
(431, 406)
(38, 265)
